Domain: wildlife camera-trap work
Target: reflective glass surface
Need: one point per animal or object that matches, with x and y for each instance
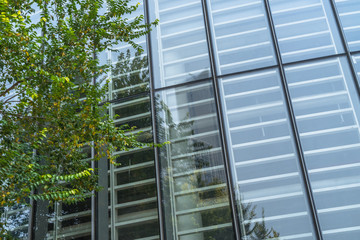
(180, 50)
(327, 112)
(17, 220)
(133, 202)
(349, 12)
(241, 35)
(195, 195)
(265, 166)
(305, 29)
(356, 60)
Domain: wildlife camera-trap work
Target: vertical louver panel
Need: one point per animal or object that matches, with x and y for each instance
(181, 42)
(241, 35)
(270, 193)
(326, 112)
(349, 12)
(305, 29)
(193, 180)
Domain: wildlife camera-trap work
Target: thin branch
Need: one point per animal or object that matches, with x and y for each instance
(10, 88)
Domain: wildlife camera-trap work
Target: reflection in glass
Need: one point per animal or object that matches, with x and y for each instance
(17, 220)
(305, 29)
(349, 12)
(270, 193)
(326, 108)
(133, 202)
(241, 35)
(193, 176)
(180, 42)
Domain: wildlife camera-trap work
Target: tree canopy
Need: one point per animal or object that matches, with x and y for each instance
(51, 98)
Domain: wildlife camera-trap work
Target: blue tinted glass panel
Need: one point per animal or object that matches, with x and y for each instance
(265, 165)
(180, 52)
(305, 29)
(326, 108)
(195, 194)
(241, 35)
(349, 12)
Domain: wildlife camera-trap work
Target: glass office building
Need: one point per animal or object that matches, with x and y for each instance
(260, 100)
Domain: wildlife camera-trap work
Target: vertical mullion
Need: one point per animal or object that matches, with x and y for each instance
(345, 45)
(220, 119)
(293, 124)
(154, 128)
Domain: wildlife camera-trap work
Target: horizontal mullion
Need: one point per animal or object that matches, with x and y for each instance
(134, 203)
(157, 237)
(308, 50)
(208, 100)
(253, 92)
(186, 74)
(341, 208)
(183, 45)
(131, 72)
(182, 32)
(275, 218)
(335, 188)
(317, 80)
(325, 113)
(249, 77)
(176, 20)
(266, 159)
(195, 136)
(200, 209)
(130, 87)
(272, 197)
(197, 171)
(239, 20)
(203, 229)
(178, 7)
(269, 178)
(208, 151)
(201, 189)
(134, 184)
(334, 168)
(256, 107)
(259, 125)
(329, 130)
(134, 167)
(247, 47)
(133, 117)
(296, 8)
(332, 149)
(242, 33)
(300, 22)
(304, 35)
(198, 118)
(319, 96)
(247, 61)
(236, 7)
(136, 221)
(339, 230)
(261, 142)
(188, 59)
(349, 13)
(130, 103)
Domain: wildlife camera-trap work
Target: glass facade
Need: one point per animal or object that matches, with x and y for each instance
(260, 101)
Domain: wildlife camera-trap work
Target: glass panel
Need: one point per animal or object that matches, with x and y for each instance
(180, 52)
(305, 29)
(17, 219)
(326, 108)
(356, 60)
(241, 35)
(270, 192)
(195, 194)
(349, 12)
(133, 202)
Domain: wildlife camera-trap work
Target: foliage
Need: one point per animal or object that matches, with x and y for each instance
(50, 103)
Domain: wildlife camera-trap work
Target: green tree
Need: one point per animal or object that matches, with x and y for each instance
(50, 102)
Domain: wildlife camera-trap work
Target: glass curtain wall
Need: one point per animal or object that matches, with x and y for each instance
(289, 115)
(132, 189)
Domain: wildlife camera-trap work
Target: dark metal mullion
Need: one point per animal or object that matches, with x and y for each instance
(154, 128)
(345, 45)
(294, 128)
(220, 118)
